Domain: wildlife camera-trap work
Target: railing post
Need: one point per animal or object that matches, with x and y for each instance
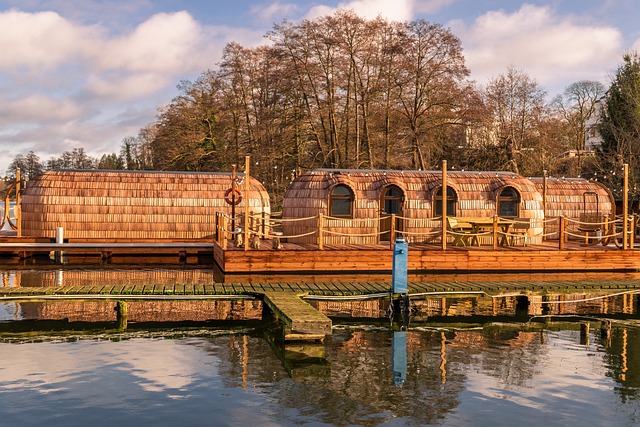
(247, 199)
(561, 230)
(444, 205)
(263, 226)
(625, 207)
(392, 237)
(17, 210)
(225, 225)
(495, 232)
(320, 232)
(216, 234)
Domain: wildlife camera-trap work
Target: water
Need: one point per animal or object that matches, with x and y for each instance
(494, 376)
(464, 361)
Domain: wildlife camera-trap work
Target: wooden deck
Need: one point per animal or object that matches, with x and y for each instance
(345, 259)
(427, 258)
(379, 289)
(300, 321)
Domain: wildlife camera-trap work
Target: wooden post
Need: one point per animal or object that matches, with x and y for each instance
(320, 233)
(217, 226)
(17, 210)
(544, 204)
(392, 235)
(561, 227)
(225, 238)
(444, 205)
(625, 207)
(584, 333)
(247, 165)
(233, 197)
(121, 315)
(495, 232)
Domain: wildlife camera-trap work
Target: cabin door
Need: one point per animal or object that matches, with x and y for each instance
(391, 203)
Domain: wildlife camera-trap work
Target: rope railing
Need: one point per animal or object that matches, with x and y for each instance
(331, 229)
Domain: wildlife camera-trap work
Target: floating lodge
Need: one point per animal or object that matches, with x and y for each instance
(334, 220)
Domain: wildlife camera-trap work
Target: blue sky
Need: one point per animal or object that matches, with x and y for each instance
(87, 73)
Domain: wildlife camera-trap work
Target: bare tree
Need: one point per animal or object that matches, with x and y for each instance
(516, 105)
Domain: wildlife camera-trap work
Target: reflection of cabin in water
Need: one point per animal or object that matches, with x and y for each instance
(360, 202)
(131, 205)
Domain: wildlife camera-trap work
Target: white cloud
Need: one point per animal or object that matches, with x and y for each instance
(273, 12)
(37, 108)
(551, 49)
(397, 10)
(62, 83)
(34, 41)
(165, 43)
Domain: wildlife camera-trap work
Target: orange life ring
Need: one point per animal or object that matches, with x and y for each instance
(229, 199)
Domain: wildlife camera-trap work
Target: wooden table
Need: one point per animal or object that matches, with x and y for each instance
(486, 224)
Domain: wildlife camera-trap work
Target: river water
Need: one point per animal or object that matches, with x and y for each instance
(497, 376)
(462, 362)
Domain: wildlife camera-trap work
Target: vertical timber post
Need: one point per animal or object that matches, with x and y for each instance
(561, 228)
(444, 205)
(544, 205)
(17, 210)
(247, 199)
(121, 315)
(625, 207)
(392, 232)
(320, 231)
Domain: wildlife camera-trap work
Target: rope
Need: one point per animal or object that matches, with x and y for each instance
(417, 233)
(575, 221)
(337, 233)
(419, 294)
(333, 218)
(298, 235)
(295, 219)
(568, 233)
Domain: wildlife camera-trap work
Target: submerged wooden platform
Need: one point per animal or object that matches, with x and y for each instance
(427, 258)
(301, 322)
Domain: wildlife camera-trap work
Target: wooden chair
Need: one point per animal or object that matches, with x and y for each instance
(520, 228)
(460, 231)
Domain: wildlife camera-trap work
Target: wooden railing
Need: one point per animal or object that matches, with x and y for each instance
(494, 230)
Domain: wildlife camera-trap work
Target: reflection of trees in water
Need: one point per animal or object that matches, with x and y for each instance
(622, 358)
(357, 388)
(510, 356)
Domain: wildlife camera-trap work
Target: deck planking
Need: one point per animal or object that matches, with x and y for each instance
(427, 258)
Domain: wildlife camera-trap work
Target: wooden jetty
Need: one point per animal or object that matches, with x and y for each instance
(301, 322)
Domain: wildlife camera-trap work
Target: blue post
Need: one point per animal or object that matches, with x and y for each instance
(399, 266)
(399, 357)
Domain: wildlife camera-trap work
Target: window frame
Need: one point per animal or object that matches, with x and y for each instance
(337, 199)
(452, 201)
(502, 201)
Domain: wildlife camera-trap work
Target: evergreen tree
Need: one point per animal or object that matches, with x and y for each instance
(620, 129)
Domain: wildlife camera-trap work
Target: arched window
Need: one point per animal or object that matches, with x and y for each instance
(452, 202)
(509, 202)
(392, 199)
(341, 202)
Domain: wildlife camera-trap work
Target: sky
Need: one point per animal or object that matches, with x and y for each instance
(88, 73)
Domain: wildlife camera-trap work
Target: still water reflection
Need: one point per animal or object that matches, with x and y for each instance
(498, 375)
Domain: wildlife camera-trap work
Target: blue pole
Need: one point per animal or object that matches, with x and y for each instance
(399, 266)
